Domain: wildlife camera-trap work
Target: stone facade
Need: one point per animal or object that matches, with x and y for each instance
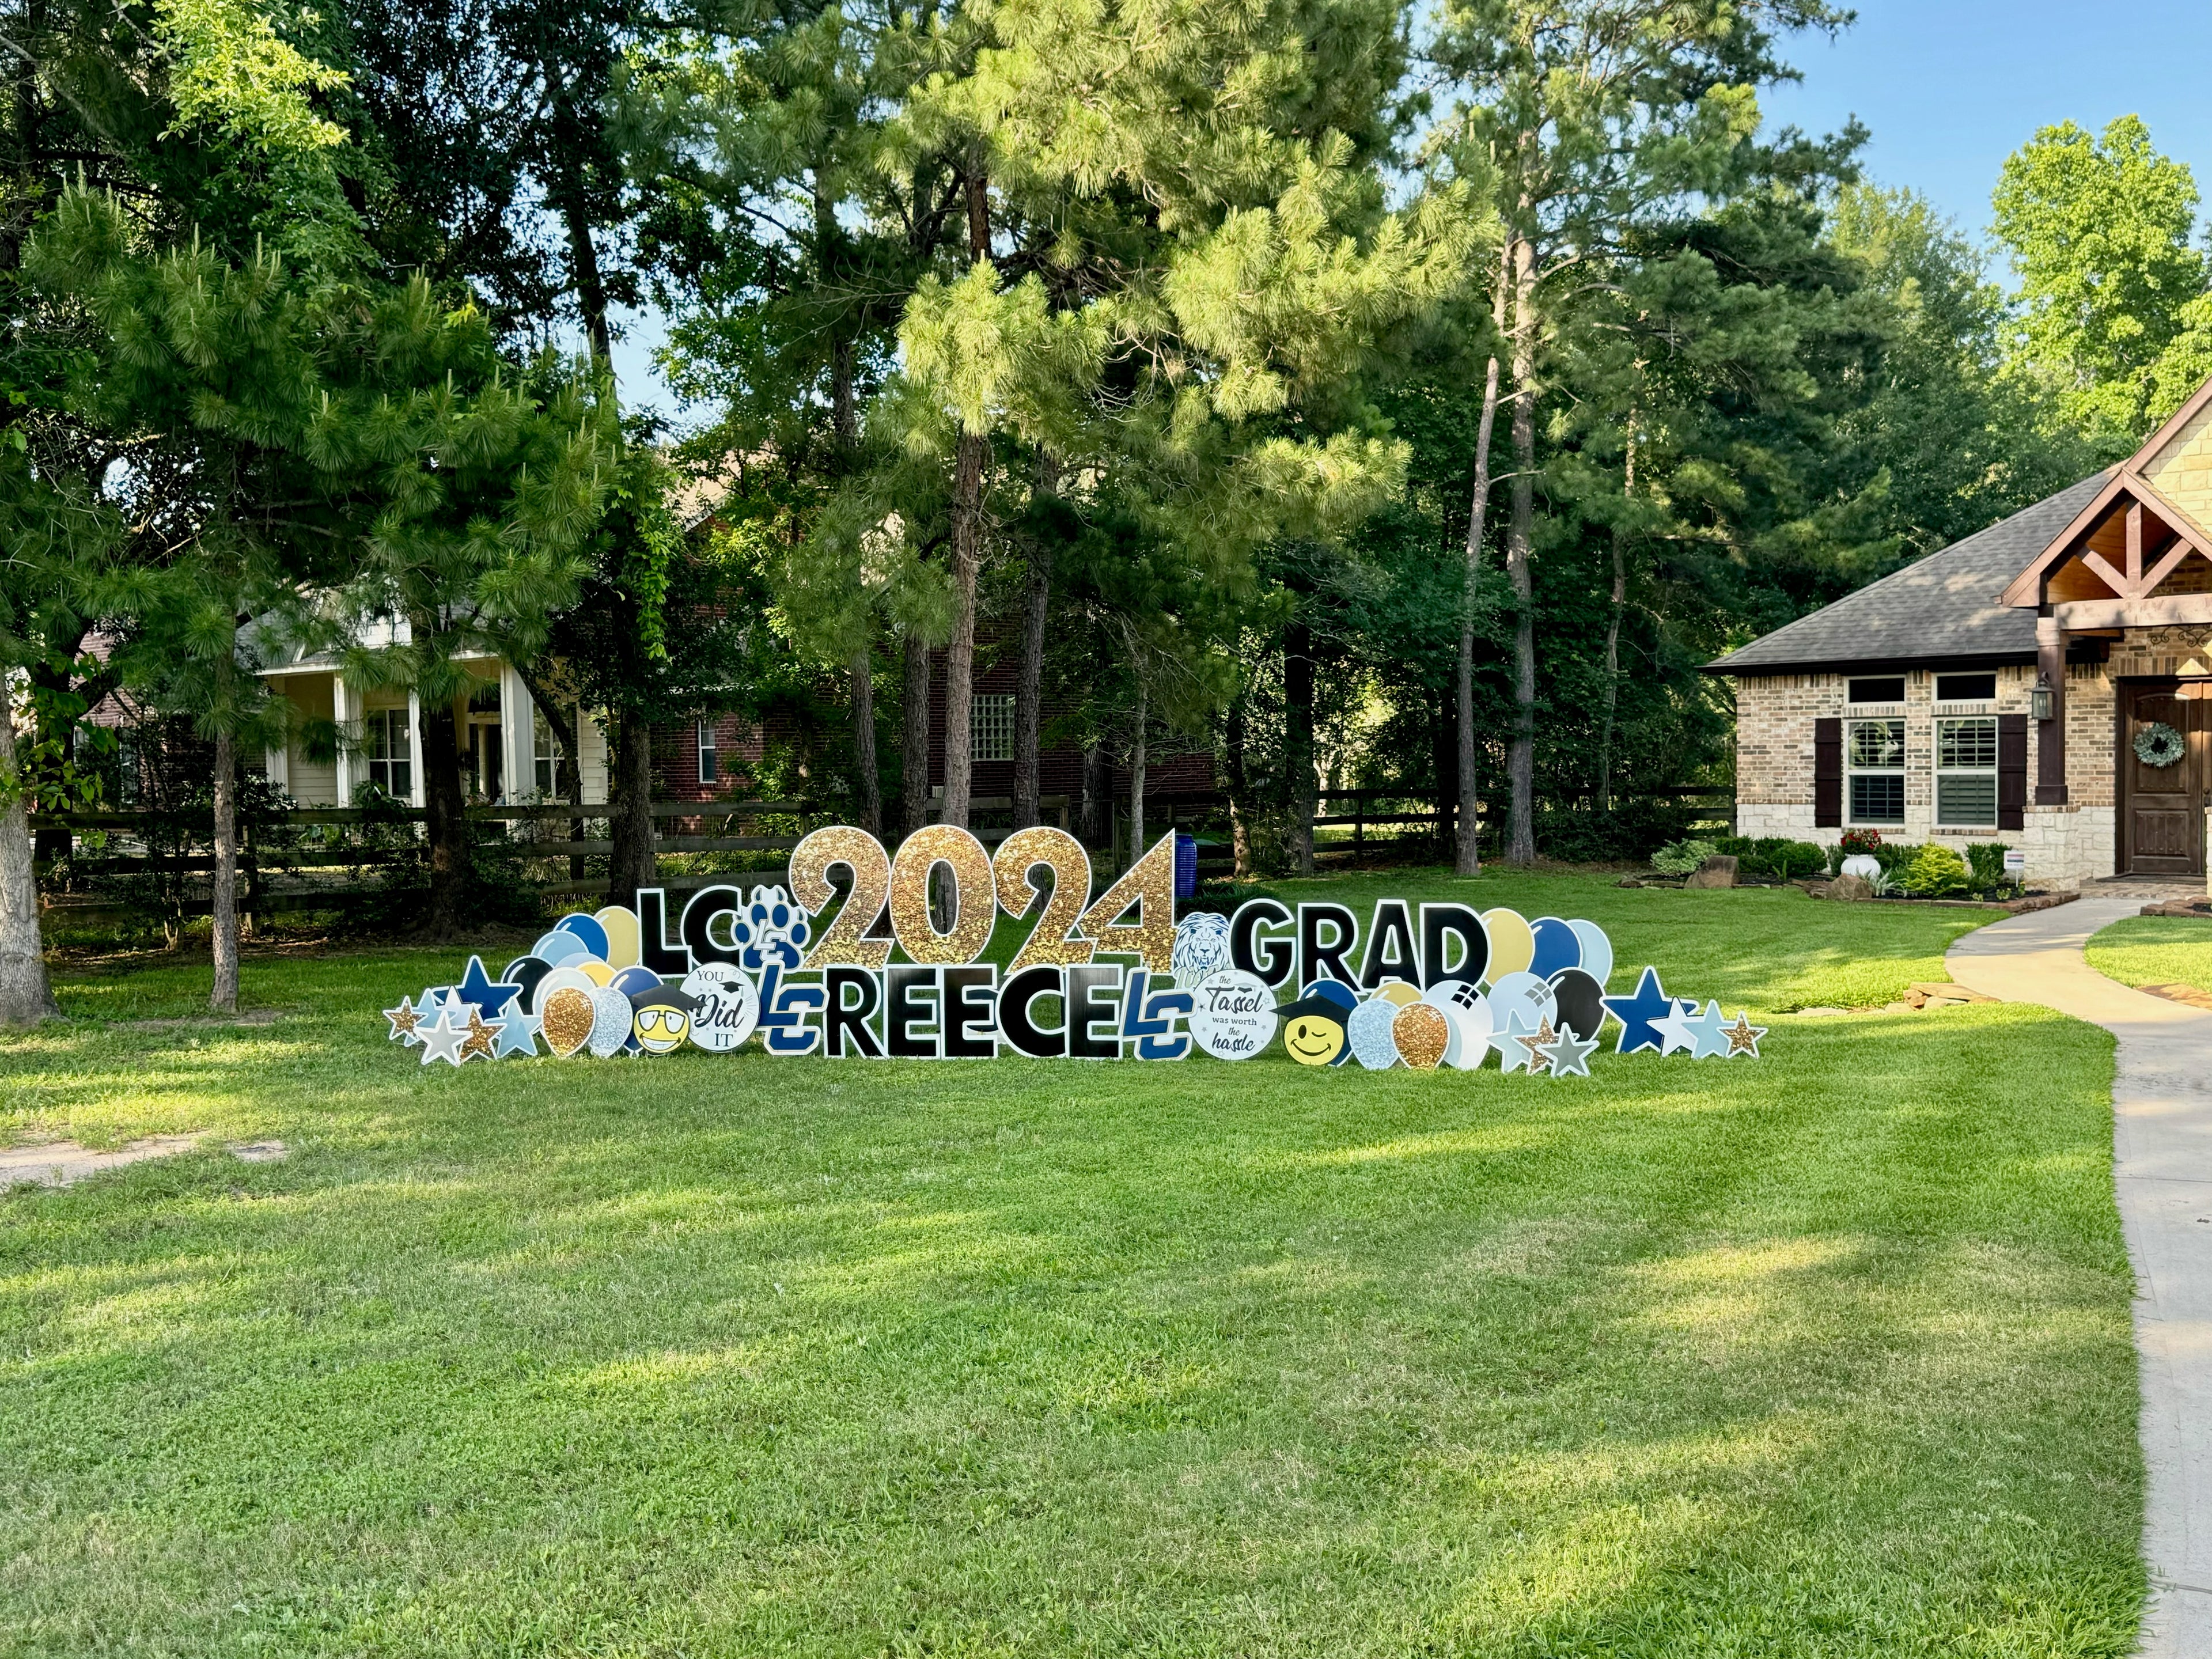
(2065, 845)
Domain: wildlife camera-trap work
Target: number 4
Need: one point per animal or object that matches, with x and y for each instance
(1149, 885)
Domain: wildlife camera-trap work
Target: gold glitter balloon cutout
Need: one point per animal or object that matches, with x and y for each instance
(1422, 1034)
(568, 1020)
(841, 944)
(974, 896)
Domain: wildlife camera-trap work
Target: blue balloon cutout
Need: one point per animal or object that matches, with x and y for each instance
(632, 980)
(588, 929)
(1558, 949)
(559, 946)
(1597, 950)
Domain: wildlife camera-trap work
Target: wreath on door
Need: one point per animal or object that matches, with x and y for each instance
(2160, 745)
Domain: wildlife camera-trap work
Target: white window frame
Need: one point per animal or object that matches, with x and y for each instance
(1947, 766)
(710, 759)
(1854, 769)
(389, 747)
(991, 726)
(546, 761)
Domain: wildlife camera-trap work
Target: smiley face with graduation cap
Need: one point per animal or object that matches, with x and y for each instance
(1313, 1026)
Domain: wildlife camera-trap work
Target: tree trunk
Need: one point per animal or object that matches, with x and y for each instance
(969, 453)
(1521, 755)
(1137, 773)
(1612, 637)
(632, 865)
(1240, 790)
(914, 757)
(868, 783)
(583, 257)
(1097, 807)
(446, 826)
(1444, 752)
(1299, 744)
(25, 998)
(222, 996)
(1028, 689)
(1466, 853)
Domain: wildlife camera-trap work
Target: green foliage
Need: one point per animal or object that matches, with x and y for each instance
(2112, 294)
(1680, 857)
(1776, 856)
(1986, 860)
(1933, 871)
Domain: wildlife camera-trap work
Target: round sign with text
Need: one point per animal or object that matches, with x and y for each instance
(1232, 1014)
(728, 1006)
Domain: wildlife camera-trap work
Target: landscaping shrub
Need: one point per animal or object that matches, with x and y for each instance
(1776, 857)
(1936, 871)
(1680, 857)
(1986, 859)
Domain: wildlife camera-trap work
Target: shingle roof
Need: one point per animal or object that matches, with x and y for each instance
(1941, 608)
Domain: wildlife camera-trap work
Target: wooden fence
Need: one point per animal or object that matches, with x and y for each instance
(326, 857)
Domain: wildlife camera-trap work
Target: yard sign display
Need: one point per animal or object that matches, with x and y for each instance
(1111, 977)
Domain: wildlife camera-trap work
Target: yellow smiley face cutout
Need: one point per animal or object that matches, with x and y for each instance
(661, 1026)
(1313, 1032)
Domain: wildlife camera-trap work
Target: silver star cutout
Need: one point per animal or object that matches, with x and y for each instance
(1674, 1029)
(1711, 1033)
(1569, 1054)
(442, 1041)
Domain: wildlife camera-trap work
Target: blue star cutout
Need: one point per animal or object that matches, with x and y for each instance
(515, 1035)
(1710, 1032)
(478, 986)
(1639, 1013)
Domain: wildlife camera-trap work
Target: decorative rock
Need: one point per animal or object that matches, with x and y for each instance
(1718, 870)
(1850, 887)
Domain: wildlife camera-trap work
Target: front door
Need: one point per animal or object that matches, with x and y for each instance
(2162, 807)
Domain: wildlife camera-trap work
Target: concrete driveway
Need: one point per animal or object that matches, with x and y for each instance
(2162, 1165)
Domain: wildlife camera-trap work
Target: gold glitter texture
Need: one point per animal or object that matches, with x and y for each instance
(478, 1042)
(1149, 883)
(1546, 1034)
(1422, 1034)
(974, 896)
(567, 1022)
(403, 1020)
(841, 945)
(1054, 940)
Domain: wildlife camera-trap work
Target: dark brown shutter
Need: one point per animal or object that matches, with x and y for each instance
(2012, 771)
(1827, 773)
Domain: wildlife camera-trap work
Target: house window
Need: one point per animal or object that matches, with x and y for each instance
(991, 727)
(1966, 772)
(709, 767)
(391, 752)
(1891, 689)
(1874, 761)
(1966, 688)
(549, 773)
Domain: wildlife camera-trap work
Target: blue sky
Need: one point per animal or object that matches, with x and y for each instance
(1948, 88)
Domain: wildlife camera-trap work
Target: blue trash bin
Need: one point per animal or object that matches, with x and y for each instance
(1186, 866)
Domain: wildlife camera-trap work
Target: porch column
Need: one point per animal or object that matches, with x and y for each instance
(414, 750)
(2051, 734)
(345, 715)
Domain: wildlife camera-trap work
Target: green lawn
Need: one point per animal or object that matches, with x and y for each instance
(2155, 951)
(1827, 1353)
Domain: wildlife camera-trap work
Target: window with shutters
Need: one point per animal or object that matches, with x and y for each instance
(1966, 773)
(1873, 764)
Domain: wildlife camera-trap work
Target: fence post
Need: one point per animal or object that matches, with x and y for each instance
(1358, 821)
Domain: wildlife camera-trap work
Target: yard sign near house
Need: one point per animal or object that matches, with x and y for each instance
(1436, 986)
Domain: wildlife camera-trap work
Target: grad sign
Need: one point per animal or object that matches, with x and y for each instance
(1111, 976)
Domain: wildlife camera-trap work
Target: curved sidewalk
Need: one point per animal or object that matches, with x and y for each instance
(2162, 1168)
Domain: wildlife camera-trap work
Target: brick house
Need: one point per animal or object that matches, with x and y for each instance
(2022, 685)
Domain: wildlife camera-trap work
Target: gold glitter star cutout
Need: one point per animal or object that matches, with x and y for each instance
(1545, 1035)
(404, 1019)
(1743, 1037)
(481, 1038)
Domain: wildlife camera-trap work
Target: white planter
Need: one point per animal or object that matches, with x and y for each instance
(1864, 866)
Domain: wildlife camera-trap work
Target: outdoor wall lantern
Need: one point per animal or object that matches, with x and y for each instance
(2038, 699)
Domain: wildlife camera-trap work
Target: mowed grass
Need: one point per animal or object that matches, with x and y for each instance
(2155, 951)
(1825, 1354)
